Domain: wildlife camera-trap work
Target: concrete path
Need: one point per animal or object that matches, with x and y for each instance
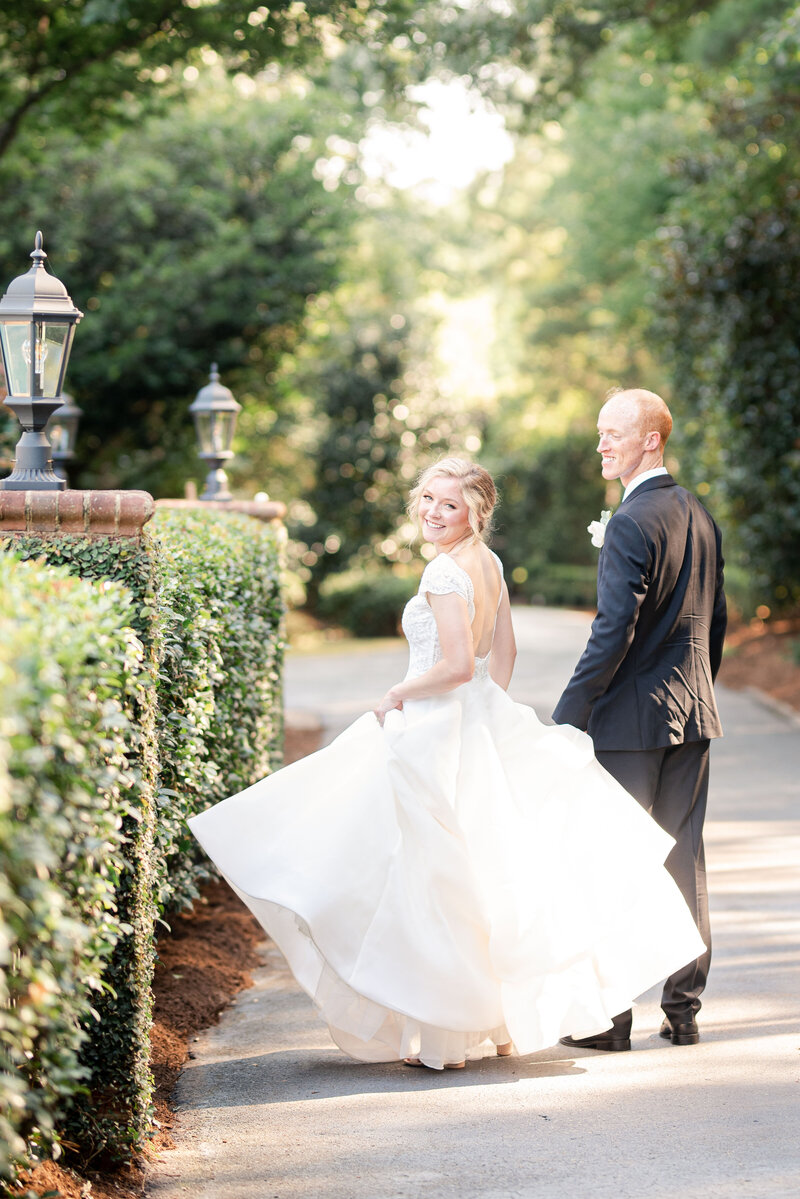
(270, 1108)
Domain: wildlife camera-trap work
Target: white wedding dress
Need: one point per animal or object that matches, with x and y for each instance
(463, 877)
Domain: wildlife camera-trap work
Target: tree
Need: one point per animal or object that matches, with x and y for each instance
(727, 273)
(365, 376)
(197, 238)
(87, 64)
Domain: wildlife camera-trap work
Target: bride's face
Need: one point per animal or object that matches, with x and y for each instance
(443, 514)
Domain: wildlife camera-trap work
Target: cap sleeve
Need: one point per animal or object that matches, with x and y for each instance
(443, 577)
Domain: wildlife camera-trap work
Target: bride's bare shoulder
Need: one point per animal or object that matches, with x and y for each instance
(478, 561)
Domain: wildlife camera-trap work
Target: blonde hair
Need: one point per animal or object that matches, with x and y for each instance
(477, 488)
(652, 413)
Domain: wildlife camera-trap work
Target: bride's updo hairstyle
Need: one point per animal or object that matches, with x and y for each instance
(477, 488)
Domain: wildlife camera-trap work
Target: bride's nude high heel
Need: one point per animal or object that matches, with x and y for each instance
(504, 1050)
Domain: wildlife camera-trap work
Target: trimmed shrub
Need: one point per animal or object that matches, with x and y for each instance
(71, 676)
(549, 491)
(203, 721)
(113, 1115)
(745, 592)
(367, 604)
(220, 615)
(555, 584)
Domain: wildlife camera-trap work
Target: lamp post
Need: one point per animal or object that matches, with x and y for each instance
(37, 325)
(215, 410)
(62, 432)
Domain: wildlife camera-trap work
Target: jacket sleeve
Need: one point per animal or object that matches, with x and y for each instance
(719, 621)
(622, 580)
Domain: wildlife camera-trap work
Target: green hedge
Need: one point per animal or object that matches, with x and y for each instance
(112, 1117)
(219, 686)
(366, 603)
(202, 593)
(71, 677)
(369, 603)
(555, 584)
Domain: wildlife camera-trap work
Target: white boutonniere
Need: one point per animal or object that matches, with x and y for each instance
(597, 529)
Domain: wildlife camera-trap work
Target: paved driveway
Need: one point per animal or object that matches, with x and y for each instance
(269, 1107)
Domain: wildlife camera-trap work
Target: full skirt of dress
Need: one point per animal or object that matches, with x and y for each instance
(462, 877)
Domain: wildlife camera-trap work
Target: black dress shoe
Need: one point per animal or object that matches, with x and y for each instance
(616, 1040)
(684, 1033)
(610, 1041)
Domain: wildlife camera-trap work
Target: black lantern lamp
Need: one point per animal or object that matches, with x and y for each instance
(215, 411)
(62, 433)
(37, 324)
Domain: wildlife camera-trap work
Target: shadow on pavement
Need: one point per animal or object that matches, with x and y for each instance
(288, 1076)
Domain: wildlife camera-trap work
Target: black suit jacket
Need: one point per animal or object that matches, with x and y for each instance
(645, 679)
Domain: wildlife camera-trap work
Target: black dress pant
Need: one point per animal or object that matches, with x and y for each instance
(672, 785)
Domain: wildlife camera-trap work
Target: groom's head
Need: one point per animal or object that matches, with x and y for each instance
(633, 427)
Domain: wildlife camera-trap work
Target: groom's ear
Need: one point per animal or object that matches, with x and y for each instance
(652, 441)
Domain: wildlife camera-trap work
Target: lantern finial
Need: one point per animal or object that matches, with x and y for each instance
(37, 254)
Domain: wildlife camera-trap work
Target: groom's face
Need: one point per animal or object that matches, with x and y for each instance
(623, 446)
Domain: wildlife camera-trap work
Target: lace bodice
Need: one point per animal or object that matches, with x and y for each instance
(441, 576)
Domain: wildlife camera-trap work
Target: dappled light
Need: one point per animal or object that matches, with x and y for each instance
(398, 231)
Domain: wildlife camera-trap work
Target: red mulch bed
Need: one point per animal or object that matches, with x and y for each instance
(766, 657)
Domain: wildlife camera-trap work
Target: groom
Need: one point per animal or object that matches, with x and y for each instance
(643, 687)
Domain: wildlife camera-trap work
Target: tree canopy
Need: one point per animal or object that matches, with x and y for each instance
(198, 168)
(89, 64)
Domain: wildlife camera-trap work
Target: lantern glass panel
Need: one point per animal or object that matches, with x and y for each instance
(35, 355)
(15, 336)
(215, 431)
(52, 347)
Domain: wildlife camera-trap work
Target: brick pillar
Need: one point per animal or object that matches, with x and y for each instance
(91, 513)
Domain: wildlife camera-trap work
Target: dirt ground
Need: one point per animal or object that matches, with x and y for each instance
(206, 958)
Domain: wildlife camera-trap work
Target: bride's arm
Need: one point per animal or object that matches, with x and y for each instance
(456, 665)
(504, 646)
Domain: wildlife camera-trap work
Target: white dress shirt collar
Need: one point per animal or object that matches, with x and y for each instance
(646, 474)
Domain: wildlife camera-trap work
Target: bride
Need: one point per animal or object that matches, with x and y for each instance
(450, 877)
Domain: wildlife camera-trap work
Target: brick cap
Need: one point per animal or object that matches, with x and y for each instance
(86, 513)
(261, 509)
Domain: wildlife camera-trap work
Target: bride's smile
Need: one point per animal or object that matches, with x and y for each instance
(443, 513)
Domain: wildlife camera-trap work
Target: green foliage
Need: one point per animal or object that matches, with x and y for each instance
(202, 719)
(220, 617)
(727, 269)
(112, 1117)
(367, 603)
(548, 498)
(72, 675)
(91, 63)
(649, 238)
(369, 409)
(373, 441)
(744, 591)
(198, 237)
(557, 585)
